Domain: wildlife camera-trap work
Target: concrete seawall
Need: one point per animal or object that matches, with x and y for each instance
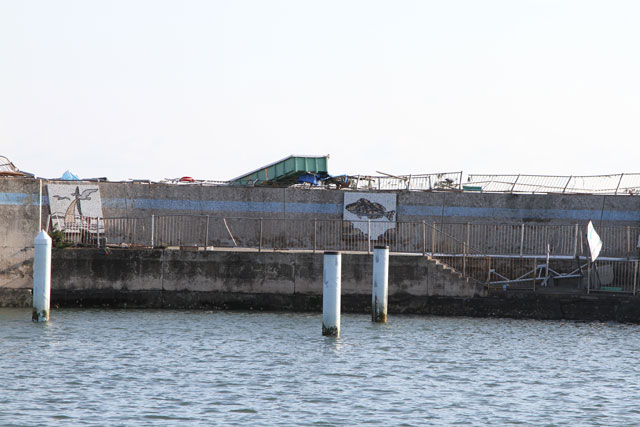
(293, 282)
(20, 210)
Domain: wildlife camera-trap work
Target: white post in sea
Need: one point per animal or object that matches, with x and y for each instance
(380, 289)
(331, 288)
(41, 277)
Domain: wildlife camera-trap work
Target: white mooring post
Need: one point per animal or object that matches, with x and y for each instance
(331, 287)
(380, 288)
(41, 277)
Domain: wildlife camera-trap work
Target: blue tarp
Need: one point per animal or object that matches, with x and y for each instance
(68, 176)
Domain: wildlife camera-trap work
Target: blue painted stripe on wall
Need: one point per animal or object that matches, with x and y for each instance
(221, 206)
(574, 214)
(21, 199)
(336, 209)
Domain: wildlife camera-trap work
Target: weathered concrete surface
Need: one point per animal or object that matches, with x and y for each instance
(293, 282)
(19, 215)
(16, 297)
(143, 200)
(286, 273)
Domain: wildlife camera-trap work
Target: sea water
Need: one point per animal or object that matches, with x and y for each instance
(157, 367)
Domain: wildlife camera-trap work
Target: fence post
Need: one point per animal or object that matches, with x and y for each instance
(260, 237)
(206, 236)
(589, 276)
(521, 239)
(635, 277)
(424, 238)
(628, 241)
(488, 270)
(433, 238)
(464, 258)
(619, 182)
(575, 242)
(315, 234)
(546, 273)
(535, 271)
(368, 235)
(97, 231)
(152, 228)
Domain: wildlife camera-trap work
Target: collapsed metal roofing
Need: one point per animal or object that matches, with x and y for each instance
(9, 169)
(284, 172)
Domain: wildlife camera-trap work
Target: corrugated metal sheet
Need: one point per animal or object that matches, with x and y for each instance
(8, 169)
(285, 171)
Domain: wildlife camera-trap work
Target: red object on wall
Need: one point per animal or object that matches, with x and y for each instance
(187, 179)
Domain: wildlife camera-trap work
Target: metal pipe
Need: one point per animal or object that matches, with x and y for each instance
(331, 287)
(628, 241)
(619, 181)
(380, 287)
(40, 204)
(635, 277)
(206, 236)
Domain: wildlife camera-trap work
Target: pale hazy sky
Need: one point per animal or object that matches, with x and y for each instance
(212, 89)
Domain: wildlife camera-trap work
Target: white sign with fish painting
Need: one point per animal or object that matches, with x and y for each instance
(74, 206)
(375, 211)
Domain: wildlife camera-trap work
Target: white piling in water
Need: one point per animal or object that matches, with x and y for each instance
(380, 289)
(331, 288)
(41, 277)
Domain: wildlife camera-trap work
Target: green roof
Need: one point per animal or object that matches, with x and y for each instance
(285, 171)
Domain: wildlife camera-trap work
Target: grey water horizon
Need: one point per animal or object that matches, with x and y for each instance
(174, 367)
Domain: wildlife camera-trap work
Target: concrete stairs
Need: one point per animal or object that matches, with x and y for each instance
(444, 280)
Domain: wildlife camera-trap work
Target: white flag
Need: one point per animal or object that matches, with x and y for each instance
(595, 244)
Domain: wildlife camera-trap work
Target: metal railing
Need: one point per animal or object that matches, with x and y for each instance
(593, 184)
(433, 181)
(522, 255)
(614, 184)
(334, 234)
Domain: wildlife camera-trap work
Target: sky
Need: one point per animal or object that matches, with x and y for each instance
(154, 89)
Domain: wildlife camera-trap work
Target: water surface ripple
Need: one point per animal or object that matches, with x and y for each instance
(139, 367)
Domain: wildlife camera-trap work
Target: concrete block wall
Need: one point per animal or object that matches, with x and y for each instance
(255, 273)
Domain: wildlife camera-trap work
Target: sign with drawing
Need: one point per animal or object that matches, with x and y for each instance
(72, 206)
(371, 213)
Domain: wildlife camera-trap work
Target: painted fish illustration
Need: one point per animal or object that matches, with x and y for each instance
(367, 208)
